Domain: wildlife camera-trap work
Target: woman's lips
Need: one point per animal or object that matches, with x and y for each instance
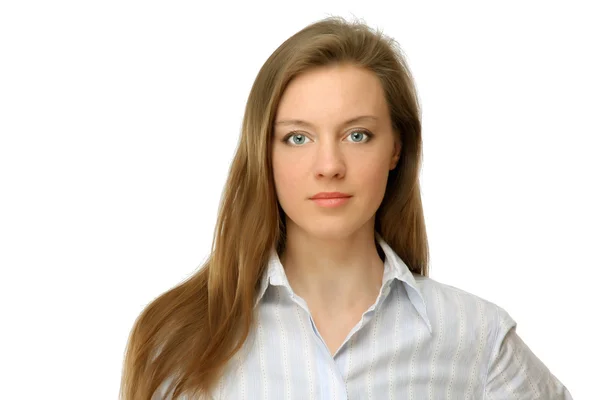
(331, 202)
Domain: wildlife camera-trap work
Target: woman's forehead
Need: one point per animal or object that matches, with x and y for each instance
(332, 93)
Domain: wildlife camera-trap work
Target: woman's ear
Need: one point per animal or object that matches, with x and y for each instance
(396, 154)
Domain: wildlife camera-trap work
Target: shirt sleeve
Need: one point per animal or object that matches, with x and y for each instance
(515, 372)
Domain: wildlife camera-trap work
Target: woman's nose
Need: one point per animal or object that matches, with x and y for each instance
(329, 159)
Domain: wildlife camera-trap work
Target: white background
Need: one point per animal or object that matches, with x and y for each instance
(119, 120)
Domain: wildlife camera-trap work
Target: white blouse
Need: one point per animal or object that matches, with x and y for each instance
(420, 340)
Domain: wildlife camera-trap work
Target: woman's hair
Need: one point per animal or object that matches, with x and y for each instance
(188, 334)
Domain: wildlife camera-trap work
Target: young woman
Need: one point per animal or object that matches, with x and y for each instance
(317, 286)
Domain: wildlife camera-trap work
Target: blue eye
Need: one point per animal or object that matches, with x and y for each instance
(360, 133)
(299, 138)
(295, 136)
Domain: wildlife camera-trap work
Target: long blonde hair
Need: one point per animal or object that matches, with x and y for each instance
(189, 333)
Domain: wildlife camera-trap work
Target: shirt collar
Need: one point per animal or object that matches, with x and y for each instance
(393, 268)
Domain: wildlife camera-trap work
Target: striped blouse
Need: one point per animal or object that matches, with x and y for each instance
(420, 340)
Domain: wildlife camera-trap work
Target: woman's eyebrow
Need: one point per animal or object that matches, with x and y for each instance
(299, 122)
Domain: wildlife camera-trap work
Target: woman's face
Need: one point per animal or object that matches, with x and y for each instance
(326, 153)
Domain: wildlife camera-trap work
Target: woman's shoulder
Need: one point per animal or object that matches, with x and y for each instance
(447, 304)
